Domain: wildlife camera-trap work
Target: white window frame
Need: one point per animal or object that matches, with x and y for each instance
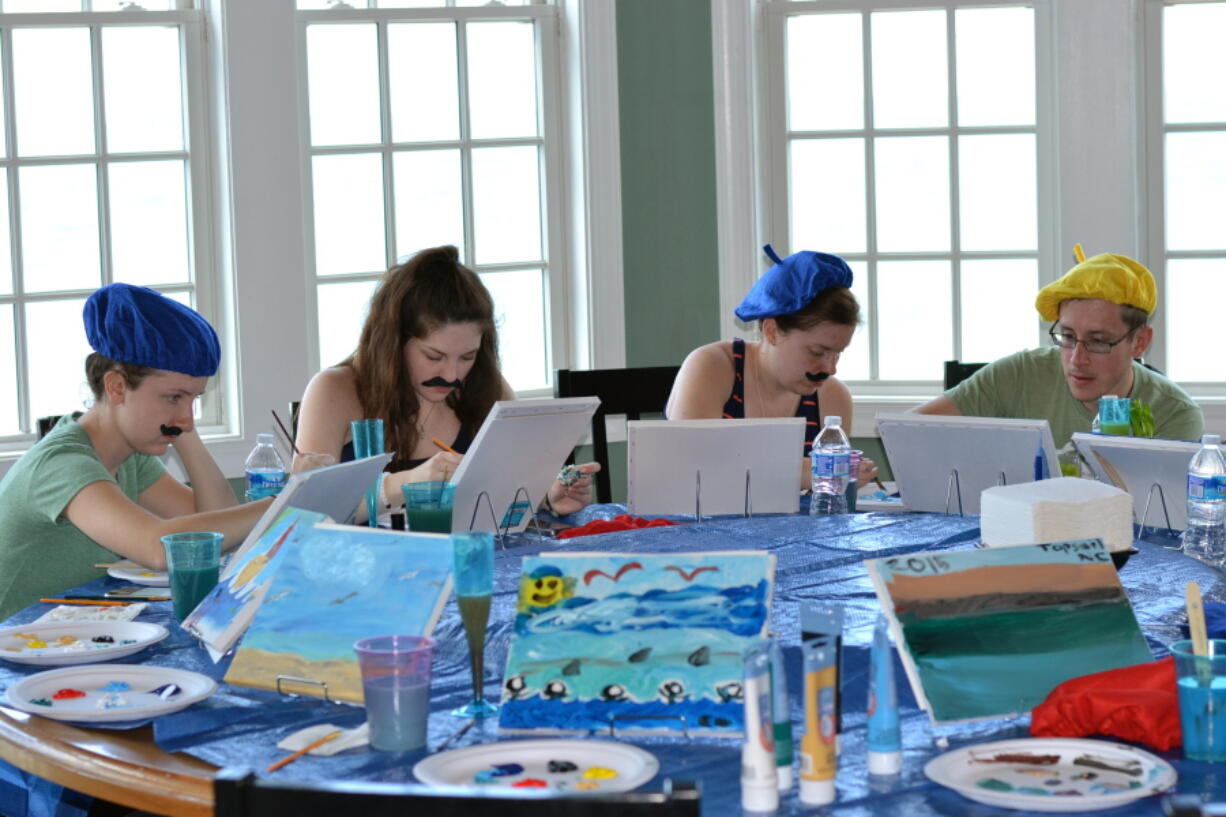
(1097, 64)
(195, 153)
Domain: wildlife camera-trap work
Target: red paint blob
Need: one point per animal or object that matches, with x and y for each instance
(64, 694)
(530, 783)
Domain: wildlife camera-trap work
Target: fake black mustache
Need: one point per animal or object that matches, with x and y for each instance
(817, 378)
(443, 384)
(171, 431)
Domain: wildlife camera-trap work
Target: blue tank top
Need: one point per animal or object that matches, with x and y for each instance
(734, 408)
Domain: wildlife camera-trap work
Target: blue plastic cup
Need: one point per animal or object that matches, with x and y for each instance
(1201, 681)
(367, 442)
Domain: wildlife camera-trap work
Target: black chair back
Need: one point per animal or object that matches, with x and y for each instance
(632, 392)
(45, 424)
(956, 371)
(239, 793)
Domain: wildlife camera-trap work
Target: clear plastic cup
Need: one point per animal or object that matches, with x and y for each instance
(396, 688)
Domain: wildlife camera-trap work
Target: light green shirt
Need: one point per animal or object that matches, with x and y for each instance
(1031, 385)
(41, 552)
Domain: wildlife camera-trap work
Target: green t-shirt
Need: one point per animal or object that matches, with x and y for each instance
(41, 552)
(1031, 385)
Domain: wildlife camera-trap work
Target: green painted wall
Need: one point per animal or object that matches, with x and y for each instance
(668, 178)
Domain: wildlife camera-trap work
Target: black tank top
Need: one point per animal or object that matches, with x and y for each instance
(734, 408)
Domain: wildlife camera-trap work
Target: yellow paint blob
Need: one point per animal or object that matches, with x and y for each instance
(599, 773)
(65, 640)
(146, 574)
(24, 635)
(586, 785)
(35, 644)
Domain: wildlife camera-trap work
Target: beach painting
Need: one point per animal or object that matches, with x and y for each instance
(634, 642)
(339, 584)
(989, 632)
(225, 613)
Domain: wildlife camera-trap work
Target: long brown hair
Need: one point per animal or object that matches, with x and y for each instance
(429, 291)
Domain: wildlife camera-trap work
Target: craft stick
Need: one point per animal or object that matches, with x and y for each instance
(285, 761)
(105, 565)
(288, 438)
(1078, 253)
(444, 446)
(91, 603)
(1196, 619)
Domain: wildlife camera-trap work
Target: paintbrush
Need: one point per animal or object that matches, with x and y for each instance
(1196, 628)
(288, 759)
(90, 603)
(281, 426)
(125, 565)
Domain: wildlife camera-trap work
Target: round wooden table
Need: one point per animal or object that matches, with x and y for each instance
(123, 766)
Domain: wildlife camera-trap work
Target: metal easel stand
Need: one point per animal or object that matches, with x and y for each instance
(953, 489)
(698, 497)
(1148, 500)
(501, 530)
(748, 497)
(305, 682)
(685, 725)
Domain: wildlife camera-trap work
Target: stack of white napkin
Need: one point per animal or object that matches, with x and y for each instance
(1056, 510)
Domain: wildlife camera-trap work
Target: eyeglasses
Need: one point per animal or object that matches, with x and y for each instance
(1067, 340)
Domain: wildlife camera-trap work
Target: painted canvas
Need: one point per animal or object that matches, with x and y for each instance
(636, 641)
(341, 583)
(224, 615)
(990, 632)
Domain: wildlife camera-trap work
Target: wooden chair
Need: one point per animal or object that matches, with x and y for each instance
(239, 793)
(632, 392)
(956, 371)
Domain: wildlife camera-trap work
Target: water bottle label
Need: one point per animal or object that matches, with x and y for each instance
(1207, 489)
(832, 465)
(264, 480)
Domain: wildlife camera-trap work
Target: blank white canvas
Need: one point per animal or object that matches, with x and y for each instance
(1138, 463)
(923, 450)
(521, 444)
(666, 458)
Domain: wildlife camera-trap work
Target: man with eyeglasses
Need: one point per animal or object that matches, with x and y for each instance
(1101, 310)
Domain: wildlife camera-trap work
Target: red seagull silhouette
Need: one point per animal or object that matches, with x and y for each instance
(689, 577)
(591, 574)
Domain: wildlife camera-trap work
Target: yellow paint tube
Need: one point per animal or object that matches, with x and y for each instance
(817, 758)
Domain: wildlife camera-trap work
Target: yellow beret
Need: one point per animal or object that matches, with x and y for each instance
(1111, 277)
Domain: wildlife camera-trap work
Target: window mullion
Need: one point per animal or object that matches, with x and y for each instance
(466, 144)
(955, 237)
(870, 197)
(385, 127)
(102, 169)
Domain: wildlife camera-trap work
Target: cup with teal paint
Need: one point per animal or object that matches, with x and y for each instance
(1201, 683)
(427, 506)
(193, 561)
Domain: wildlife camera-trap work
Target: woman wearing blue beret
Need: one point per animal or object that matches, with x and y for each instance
(807, 314)
(94, 489)
(427, 365)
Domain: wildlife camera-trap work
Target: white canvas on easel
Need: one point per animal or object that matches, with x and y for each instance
(334, 491)
(925, 449)
(670, 461)
(521, 445)
(1136, 464)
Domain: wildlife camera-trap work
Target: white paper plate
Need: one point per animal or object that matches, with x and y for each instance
(92, 678)
(127, 637)
(140, 575)
(1062, 774)
(592, 759)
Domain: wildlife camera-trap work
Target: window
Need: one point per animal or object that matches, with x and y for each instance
(907, 140)
(427, 127)
(1188, 182)
(99, 182)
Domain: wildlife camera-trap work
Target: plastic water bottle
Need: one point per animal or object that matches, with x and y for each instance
(831, 457)
(1205, 538)
(265, 469)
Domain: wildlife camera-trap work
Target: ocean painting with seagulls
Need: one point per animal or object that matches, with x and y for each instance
(634, 642)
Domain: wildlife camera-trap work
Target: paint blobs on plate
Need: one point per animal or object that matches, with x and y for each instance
(117, 686)
(67, 694)
(508, 769)
(561, 766)
(113, 700)
(599, 773)
(167, 691)
(40, 702)
(561, 775)
(530, 783)
(103, 639)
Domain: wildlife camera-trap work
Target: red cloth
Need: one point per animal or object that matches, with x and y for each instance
(622, 521)
(1137, 703)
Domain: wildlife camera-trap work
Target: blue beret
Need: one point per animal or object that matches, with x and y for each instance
(143, 327)
(794, 281)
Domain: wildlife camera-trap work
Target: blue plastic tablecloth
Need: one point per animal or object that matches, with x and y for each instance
(817, 558)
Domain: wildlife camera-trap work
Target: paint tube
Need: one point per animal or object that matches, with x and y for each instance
(884, 738)
(817, 756)
(759, 786)
(781, 715)
(825, 623)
